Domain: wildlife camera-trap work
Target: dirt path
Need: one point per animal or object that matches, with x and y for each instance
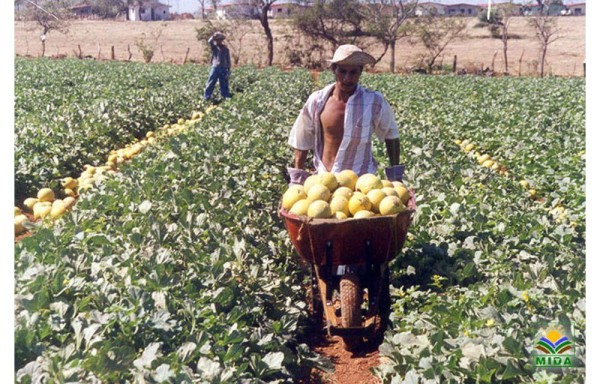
(349, 368)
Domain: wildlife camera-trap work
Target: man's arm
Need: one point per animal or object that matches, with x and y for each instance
(300, 158)
(393, 151)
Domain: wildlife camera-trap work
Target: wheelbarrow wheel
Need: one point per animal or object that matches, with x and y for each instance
(351, 301)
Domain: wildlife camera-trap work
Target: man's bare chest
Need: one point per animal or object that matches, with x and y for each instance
(332, 117)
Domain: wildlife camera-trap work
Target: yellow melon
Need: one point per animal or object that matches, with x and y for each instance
(391, 205)
(389, 191)
(20, 221)
(339, 204)
(350, 175)
(375, 196)
(29, 203)
(340, 215)
(359, 203)
(343, 192)
(329, 180)
(292, 195)
(319, 209)
(300, 208)
(367, 182)
(310, 181)
(363, 214)
(45, 194)
(318, 192)
(403, 193)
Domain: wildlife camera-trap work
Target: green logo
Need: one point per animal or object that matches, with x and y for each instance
(554, 350)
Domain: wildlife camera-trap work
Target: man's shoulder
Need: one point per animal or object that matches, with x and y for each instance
(319, 94)
(376, 95)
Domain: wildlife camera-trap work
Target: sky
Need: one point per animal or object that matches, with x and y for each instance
(192, 6)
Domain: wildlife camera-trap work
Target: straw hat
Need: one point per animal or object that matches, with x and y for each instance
(349, 54)
(219, 36)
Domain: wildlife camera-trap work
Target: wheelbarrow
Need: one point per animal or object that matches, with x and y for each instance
(348, 261)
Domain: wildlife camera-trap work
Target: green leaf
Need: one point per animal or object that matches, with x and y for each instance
(274, 359)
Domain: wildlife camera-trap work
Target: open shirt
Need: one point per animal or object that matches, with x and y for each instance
(367, 113)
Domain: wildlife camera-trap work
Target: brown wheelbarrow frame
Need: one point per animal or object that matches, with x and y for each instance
(350, 253)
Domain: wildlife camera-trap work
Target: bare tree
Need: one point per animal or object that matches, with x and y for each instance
(127, 4)
(259, 9)
(202, 9)
(335, 21)
(215, 4)
(385, 19)
(546, 30)
(499, 21)
(237, 34)
(49, 15)
(505, 24)
(435, 33)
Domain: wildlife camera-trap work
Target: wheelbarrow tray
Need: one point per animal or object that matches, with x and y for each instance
(349, 241)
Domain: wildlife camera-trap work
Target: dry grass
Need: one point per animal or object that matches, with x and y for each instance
(565, 56)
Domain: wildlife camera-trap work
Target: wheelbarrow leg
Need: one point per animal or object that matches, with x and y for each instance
(316, 301)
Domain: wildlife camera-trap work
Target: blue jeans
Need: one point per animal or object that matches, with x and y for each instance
(220, 74)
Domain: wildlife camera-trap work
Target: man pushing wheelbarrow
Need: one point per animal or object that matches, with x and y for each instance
(344, 220)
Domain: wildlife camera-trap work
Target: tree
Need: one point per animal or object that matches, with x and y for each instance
(435, 33)
(546, 30)
(49, 15)
(335, 21)
(109, 8)
(125, 4)
(499, 21)
(260, 10)
(202, 7)
(385, 19)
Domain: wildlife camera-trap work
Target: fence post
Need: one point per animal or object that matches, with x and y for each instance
(186, 55)
(520, 61)
(454, 64)
(494, 61)
(130, 54)
(584, 69)
(112, 52)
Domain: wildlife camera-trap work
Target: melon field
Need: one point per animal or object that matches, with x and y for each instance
(176, 268)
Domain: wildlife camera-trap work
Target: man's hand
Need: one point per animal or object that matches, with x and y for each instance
(297, 176)
(395, 172)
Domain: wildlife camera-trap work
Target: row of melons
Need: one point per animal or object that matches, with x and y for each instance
(345, 195)
(45, 205)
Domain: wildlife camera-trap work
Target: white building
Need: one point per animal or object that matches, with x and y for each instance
(237, 10)
(576, 9)
(149, 11)
(430, 9)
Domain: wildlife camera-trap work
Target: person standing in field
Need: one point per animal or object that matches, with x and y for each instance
(220, 67)
(337, 123)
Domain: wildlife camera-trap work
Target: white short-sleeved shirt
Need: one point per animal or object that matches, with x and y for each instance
(367, 113)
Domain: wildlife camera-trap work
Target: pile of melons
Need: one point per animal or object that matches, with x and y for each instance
(345, 195)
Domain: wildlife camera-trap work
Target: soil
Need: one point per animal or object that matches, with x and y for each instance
(174, 41)
(350, 368)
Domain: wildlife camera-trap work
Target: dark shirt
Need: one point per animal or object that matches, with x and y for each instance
(220, 55)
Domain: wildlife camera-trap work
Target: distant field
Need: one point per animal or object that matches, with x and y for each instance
(565, 56)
